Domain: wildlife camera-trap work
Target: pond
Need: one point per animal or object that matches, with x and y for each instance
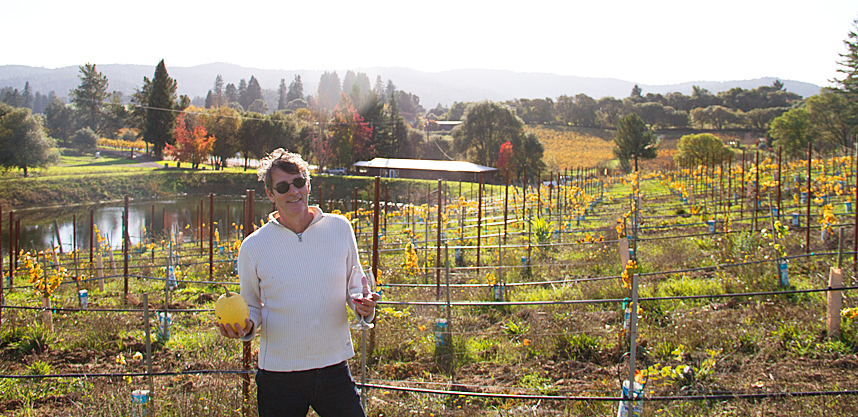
(43, 227)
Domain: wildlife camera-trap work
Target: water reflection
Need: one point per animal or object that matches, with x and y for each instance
(41, 228)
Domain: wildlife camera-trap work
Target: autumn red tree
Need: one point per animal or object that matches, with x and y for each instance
(506, 159)
(193, 144)
(350, 135)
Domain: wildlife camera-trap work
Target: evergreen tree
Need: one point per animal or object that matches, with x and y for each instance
(27, 97)
(634, 140)
(230, 94)
(329, 91)
(390, 90)
(88, 98)
(376, 117)
(242, 93)
(349, 81)
(59, 120)
(210, 100)
(139, 102)
(159, 114)
(252, 93)
(848, 85)
(218, 99)
(40, 101)
(115, 115)
(379, 89)
(12, 98)
(281, 94)
(296, 90)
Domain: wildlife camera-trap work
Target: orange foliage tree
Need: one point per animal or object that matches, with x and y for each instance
(193, 145)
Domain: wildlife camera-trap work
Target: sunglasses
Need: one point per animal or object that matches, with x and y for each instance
(283, 187)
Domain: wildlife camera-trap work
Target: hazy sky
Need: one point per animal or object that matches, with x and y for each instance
(648, 42)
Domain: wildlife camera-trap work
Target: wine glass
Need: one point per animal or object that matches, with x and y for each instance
(366, 293)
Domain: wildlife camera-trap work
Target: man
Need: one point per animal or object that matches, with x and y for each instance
(296, 273)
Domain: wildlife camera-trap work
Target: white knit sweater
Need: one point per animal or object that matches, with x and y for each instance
(297, 286)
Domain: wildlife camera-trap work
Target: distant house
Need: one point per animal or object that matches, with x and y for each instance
(441, 125)
(426, 169)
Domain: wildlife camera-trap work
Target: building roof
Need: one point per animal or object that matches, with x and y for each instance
(423, 164)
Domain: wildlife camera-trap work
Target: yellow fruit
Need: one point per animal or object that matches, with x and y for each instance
(231, 308)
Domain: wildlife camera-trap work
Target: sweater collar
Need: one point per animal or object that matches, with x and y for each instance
(315, 210)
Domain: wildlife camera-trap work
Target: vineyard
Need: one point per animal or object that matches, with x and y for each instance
(725, 289)
(574, 147)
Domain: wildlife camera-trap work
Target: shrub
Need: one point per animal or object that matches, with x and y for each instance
(85, 139)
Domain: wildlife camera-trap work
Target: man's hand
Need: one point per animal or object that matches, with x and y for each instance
(235, 331)
(366, 306)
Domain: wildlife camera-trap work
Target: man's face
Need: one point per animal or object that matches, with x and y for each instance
(295, 201)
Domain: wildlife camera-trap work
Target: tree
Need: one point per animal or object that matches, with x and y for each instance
(329, 91)
(231, 94)
(251, 93)
(701, 97)
(85, 139)
(379, 89)
(23, 143)
(59, 120)
(88, 98)
(349, 81)
(610, 111)
(635, 95)
(12, 97)
(716, 116)
(259, 134)
(485, 126)
(506, 158)
(281, 94)
(762, 118)
(258, 106)
(193, 144)
(350, 136)
(222, 123)
(296, 90)
(848, 66)
(218, 99)
(829, 113)
(457, 110)
(701, 149)
(679, 101)
(27, 97)
(529, 154)
(651, 113)
(634, 140)
(792, 131)
(389, 90)
(159, 113)
(40, 101)
(115, 115)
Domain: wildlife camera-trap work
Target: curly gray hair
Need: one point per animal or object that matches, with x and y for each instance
(288, 162)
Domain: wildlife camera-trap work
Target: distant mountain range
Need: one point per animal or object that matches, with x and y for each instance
(432, 87)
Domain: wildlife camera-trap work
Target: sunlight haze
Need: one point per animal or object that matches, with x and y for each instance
(657, 42)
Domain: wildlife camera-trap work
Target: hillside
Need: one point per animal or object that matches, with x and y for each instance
(442, 87)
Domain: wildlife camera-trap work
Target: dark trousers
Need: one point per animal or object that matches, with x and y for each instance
(331, 391)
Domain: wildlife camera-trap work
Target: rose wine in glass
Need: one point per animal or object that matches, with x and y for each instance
(361, 324)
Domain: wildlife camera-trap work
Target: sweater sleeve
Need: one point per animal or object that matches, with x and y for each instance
(249, 281)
